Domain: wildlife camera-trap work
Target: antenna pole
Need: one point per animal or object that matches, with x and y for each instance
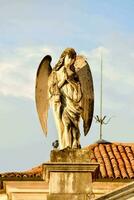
(101, 86)
(101, 119)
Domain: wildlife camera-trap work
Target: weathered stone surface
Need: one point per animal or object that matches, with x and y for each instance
(70, 182)
(70, 155)
(69, 174)
(29, 196)
(14, 188)
(103, 187)
(3, 196)
(67, 197)
(56, 167)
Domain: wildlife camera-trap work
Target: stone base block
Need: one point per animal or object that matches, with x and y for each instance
(70, 155)
(67, 197)
(71, 179)
(70, 182)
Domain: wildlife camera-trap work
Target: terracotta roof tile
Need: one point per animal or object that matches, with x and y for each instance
(116, 159)
(130, 155)
(100, 160)
(106, 160)
(114, 163)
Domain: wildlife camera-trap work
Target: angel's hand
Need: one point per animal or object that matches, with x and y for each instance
(61, 83)
(64, 78)
(65, 74)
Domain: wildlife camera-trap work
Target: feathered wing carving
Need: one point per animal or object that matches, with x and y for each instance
(83, 70)
(41, 91)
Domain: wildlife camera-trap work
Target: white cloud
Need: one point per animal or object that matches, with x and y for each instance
(18, 71)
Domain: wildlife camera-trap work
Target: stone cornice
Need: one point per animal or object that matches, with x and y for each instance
(69, 167)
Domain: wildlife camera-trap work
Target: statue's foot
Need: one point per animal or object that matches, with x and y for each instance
(74, 147)
(79, 146)
(66, 148)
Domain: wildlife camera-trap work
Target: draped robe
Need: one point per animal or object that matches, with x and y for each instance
(66, 102)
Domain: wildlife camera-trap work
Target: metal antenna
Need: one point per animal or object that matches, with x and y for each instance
(101, 119)
(101, 87)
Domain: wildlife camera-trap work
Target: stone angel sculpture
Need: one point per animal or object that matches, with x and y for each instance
(68, 88)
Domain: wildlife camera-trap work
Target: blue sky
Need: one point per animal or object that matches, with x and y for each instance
(30, 30)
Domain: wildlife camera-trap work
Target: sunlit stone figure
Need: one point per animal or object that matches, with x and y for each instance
(68, 88)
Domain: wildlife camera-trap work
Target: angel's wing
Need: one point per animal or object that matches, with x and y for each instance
(83, 70)
(41, 91)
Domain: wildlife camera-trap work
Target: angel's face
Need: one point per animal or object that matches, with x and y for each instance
(68, 61)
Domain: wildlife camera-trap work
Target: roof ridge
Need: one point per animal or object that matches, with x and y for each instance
(107, 142)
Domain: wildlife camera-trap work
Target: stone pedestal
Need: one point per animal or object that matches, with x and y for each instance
(69, 180)
(67, 197)
(70, 155)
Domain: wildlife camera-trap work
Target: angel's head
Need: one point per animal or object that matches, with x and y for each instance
(67, 58)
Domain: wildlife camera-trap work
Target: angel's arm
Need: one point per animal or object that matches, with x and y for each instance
(53, 89)
(62, 82)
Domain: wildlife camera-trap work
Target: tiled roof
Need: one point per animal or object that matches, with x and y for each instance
(116, 159)
(35, 172)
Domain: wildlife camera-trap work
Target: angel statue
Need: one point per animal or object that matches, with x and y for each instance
(68, 88)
